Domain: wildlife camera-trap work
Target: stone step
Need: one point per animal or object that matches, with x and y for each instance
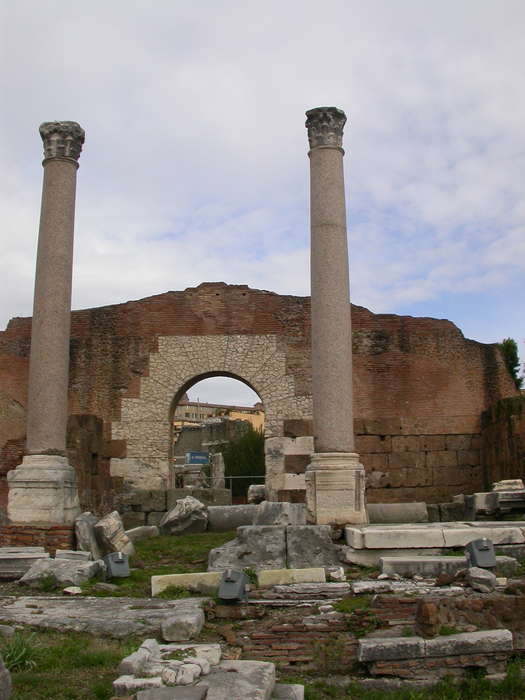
(432, 535)
(432, 567)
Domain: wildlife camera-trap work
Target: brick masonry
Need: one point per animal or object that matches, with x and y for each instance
(503, 440)
(51, 538)
(419, 387)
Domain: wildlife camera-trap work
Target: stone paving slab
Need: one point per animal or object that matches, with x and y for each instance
(432, 567)
(113, 617)
(15, 561)
(240, 680)
(432, 535)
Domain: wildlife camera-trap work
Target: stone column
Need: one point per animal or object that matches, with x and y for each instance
(335, 479)
(44, 487)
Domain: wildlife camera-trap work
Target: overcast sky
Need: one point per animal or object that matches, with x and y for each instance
(195, 164)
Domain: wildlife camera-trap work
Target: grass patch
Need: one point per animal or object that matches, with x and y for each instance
(351, 604)
(447, 631)
(61, 666)
(174, 593)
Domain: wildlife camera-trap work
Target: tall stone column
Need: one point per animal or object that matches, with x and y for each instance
(43, 489)
(335, 479)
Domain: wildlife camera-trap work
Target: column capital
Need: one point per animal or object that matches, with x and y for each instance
(325, 126)
(62, 139)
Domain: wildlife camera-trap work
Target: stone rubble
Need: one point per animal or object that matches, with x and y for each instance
(111, 536)
(66, 572)
(187, 515)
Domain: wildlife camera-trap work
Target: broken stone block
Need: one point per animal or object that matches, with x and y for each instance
(187, 515)
(72, 556)
(508, 485)
(481, 580)
(183, 625)
(310, 546)
(65, 572)
(256, 493)
(72, 590)
(397, 512)
(229, 518)
(85, 534)
(260, 547)
(133, 664)
(452, 512)
(286, 691)
(142, 532)
(125, 685)
(16, 561)
(274, 513)
(111, 536)
(196, 693)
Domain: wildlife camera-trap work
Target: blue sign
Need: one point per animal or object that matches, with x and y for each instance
(197, 457)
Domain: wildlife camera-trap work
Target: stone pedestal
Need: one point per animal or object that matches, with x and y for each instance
(335, 484)
(335, 489)
(44, 487)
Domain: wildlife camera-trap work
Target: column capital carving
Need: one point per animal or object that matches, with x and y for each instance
(62, 139)
(325, 126)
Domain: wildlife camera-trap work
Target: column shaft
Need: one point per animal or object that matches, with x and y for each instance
(331, 325)
(49, 361)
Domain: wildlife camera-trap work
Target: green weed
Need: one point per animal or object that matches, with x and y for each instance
(20, 651)
(174, 593)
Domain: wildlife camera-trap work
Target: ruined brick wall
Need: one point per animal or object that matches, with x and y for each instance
(503, 440)
(131, 362)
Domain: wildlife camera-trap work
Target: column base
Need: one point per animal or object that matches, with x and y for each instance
(43, 489)
(335, 489)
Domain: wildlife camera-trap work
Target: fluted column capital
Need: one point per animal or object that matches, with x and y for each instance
(62, 140)
(325, 127)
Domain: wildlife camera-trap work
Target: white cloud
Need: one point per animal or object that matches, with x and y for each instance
(195, 165)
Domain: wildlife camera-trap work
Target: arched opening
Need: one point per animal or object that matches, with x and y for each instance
(217, 434)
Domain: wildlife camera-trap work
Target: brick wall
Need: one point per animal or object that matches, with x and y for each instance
(503, 440)
(129, 362)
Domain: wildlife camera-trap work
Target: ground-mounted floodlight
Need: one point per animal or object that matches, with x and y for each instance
(480, 553)
(234, 587)
(117, 565)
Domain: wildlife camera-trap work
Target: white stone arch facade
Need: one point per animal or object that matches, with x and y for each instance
(180, 362)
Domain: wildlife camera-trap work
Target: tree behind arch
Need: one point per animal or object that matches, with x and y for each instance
(243, 455)
(509, 349)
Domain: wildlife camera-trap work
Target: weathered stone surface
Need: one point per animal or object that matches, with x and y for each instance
(209, 652)
(485, 642)
(135, 662)
(6, 631)
(309, 591)
(247, 680)
(508, 485)
(5, 681)
(481, 579)
(286, 576)
(229, 518)
(451, 512)
(16, 561)
(142, 532)
(137, 474)
(262, 547)
(111, 536)
(432, 535)
(72, 590)
(274, 513)
(187, 515)
(206, 582)
(390, 649)
(256, 493)
(182, 626)
(103, 586)
(125, 685)
(397, 512)
(288, 691)
(85, 534)
(311, 546)
(176, 693)
(147, 501)
(432, 567)
(65, 571)
(112, 617)
(72, 555)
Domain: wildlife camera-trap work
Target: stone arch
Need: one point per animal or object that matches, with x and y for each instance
(181, 361)
(189, 384)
